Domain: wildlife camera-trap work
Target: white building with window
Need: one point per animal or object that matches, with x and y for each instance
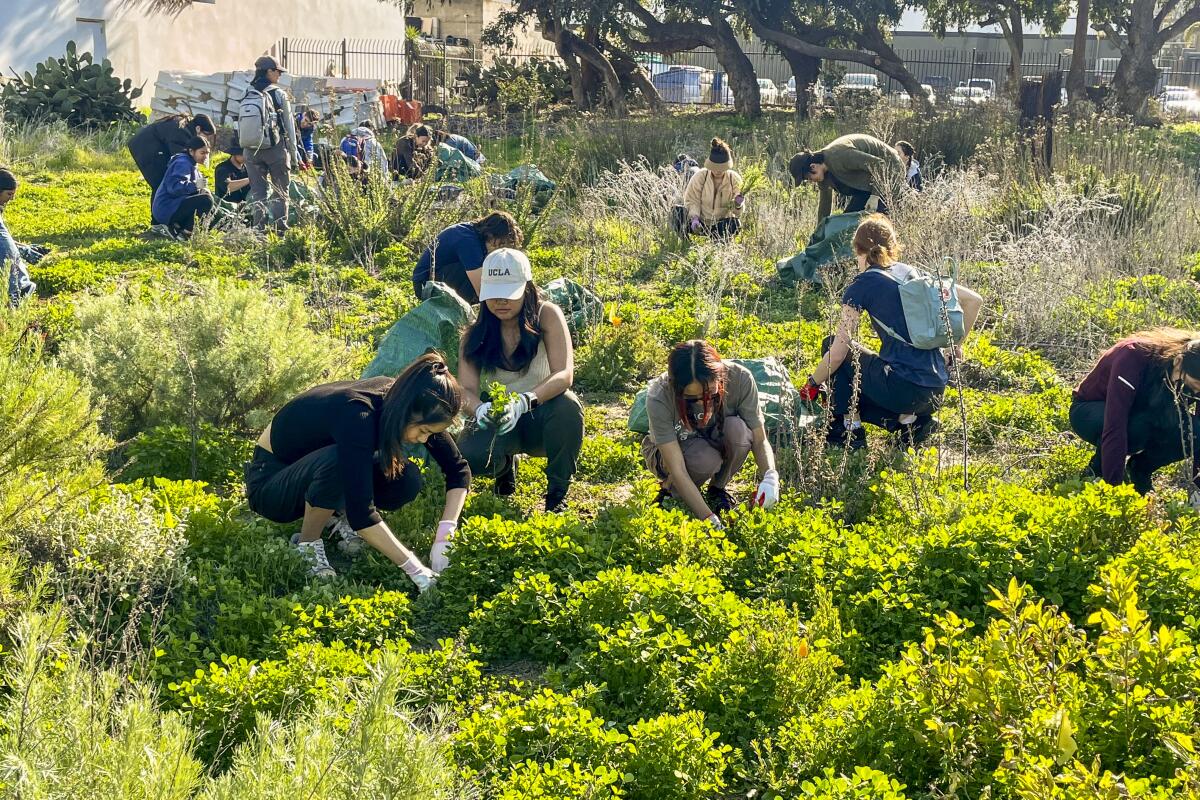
(206, 36)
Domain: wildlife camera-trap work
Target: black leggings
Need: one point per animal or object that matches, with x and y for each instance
(278, 491)
(1154, 441)
(857, 201)
(882, 395)
(192, 207)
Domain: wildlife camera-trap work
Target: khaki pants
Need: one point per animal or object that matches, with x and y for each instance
(268, 173)
(712, 456)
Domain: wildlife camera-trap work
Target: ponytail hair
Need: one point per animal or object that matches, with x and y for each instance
(876, 239)
(697, 361)
(425, 393)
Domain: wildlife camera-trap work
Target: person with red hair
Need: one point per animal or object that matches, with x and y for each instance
(705, 418)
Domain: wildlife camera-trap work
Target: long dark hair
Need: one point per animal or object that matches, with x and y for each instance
(484, 345)
(501, 227)
(425, 393)
(698, 361)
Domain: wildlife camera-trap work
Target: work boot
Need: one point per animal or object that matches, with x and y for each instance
(314, 552)
(917, 433)
(838, 437)
(556, 500)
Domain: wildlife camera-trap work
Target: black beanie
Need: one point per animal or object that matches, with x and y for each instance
(719, 154)
(8, 181)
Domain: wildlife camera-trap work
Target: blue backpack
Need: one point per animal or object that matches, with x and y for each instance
(931, 309)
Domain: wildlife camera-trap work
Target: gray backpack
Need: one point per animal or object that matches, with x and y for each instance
(258, 121)
(931, 310)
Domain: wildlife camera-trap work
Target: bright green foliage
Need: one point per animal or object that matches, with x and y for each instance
(647, 539)
(363, 622)
(224, 354)
(73, 88)
(1121, 307)
(673, 757)
(605, 460)
(618, 357)
(168, 451)
(557, 780)
(863, 783)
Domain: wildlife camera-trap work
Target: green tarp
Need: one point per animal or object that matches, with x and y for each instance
(454, 166)
(779, 399)
(581, 306)
(830, 242)
(435, 324)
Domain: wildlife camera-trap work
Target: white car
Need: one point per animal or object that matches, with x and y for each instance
(789, 91)
(860, 82)
(768, 92)
(903, 100)
(986, 84)
(1181, 102)
(967, 96)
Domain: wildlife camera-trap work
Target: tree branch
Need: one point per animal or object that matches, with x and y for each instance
(1187, 20)
(1119, 40)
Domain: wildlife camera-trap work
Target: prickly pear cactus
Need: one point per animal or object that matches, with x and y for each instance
(73, 89)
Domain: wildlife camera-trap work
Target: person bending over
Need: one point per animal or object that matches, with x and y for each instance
(306, 126)
(462, 144)
(341, 447)
(1138, 408)
(912, 167)
(413, 154)
(156, 144)
(858, 167)
(901, 387)
(522, 342)
(705, 418)
(456, 256)
(713, 198)
(183, 194)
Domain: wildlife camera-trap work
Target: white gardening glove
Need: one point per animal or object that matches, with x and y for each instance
(715, 521)
(482, 419)
(438, 558)
(517, 407)
(768, 490)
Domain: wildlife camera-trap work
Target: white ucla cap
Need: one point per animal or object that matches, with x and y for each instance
(505, 273)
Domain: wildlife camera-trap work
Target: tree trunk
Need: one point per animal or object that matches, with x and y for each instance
(626, 65)
(592, 56)
(805, 70)
(555, 33)
(1014, 37)
(1135, 81)
(1077, 78)
(747, 99)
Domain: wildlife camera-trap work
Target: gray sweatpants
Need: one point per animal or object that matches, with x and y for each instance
(268, 172)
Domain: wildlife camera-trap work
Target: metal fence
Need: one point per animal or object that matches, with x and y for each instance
(382, 59)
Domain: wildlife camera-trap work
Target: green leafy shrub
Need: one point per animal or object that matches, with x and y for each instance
(1119, 307)
(863, 783)
(558, 779)
(223, 353)
(605, 460)
(618, 358)
(674, 757)
(73, 88)
(167, 451)
(521, 622)
(518, 86)
(364, 623)
(646, 538)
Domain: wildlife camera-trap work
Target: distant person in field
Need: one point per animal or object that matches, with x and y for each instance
(337, 454)
(858, 167)
(705, 418)
(231, 176)
(13, 256)
(270, 167)
(456, 256)
(361, 143)
(183, 195)
(460, 143)
(344, 171)
(899, 388)
(1138, 408)
(306, 128)
(713, 197)
(912, 167)
(521, 341)
(413, 154)
(155, 144)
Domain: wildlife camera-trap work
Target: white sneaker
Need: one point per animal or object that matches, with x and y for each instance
(424, 579)
(315, 553)
(349, 542)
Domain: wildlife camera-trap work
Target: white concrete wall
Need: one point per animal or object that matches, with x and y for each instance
(207, 36)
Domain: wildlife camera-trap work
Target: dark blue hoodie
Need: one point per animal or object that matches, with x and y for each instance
(183, 179)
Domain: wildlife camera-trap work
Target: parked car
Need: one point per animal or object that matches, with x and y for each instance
(789, 91)
(768, 92)
(968, 95)
(986, 84)
(940, 84)
(903, 100)
(1182, 102)
(860, 82)
(684, 84)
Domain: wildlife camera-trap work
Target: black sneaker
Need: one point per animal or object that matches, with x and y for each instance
(556, 500)
(719, 499)
(506, 481)
(838, 437)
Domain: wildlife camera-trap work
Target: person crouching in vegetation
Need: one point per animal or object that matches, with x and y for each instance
(183, 194)
(713, 199)
(13, 255)
(901, 387)
(456, 256)
(521, 342)
(460, 143)
(858, 167)
(705, 418)
(1138, 408)
(340, 447)
(156, 144)
(912, 167)
(413, 154)
(233, 181)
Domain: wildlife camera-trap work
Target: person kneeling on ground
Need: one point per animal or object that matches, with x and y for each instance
(462, 144)
(413, 154)
(705, 418)
(859, 167)
(233, 181)
(183, 194)
(157, 143)
(12, 254)
(456, 256)
(912, 167)
(712, 197)
(340, 447)
(1138, 408)
(521, 342)
(901, 387)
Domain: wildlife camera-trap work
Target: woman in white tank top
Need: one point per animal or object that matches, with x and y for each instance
(522, 342)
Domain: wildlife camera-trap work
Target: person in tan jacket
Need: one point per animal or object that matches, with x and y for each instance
(713, 196)
(857, 166)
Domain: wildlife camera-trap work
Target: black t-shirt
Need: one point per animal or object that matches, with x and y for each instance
(225, 172)
(879, 296)
(347, 414)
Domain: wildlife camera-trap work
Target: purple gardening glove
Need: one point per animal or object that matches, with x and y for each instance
(739, 200)
(696, 226)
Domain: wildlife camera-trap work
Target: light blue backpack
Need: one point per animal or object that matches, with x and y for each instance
(931, 309)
